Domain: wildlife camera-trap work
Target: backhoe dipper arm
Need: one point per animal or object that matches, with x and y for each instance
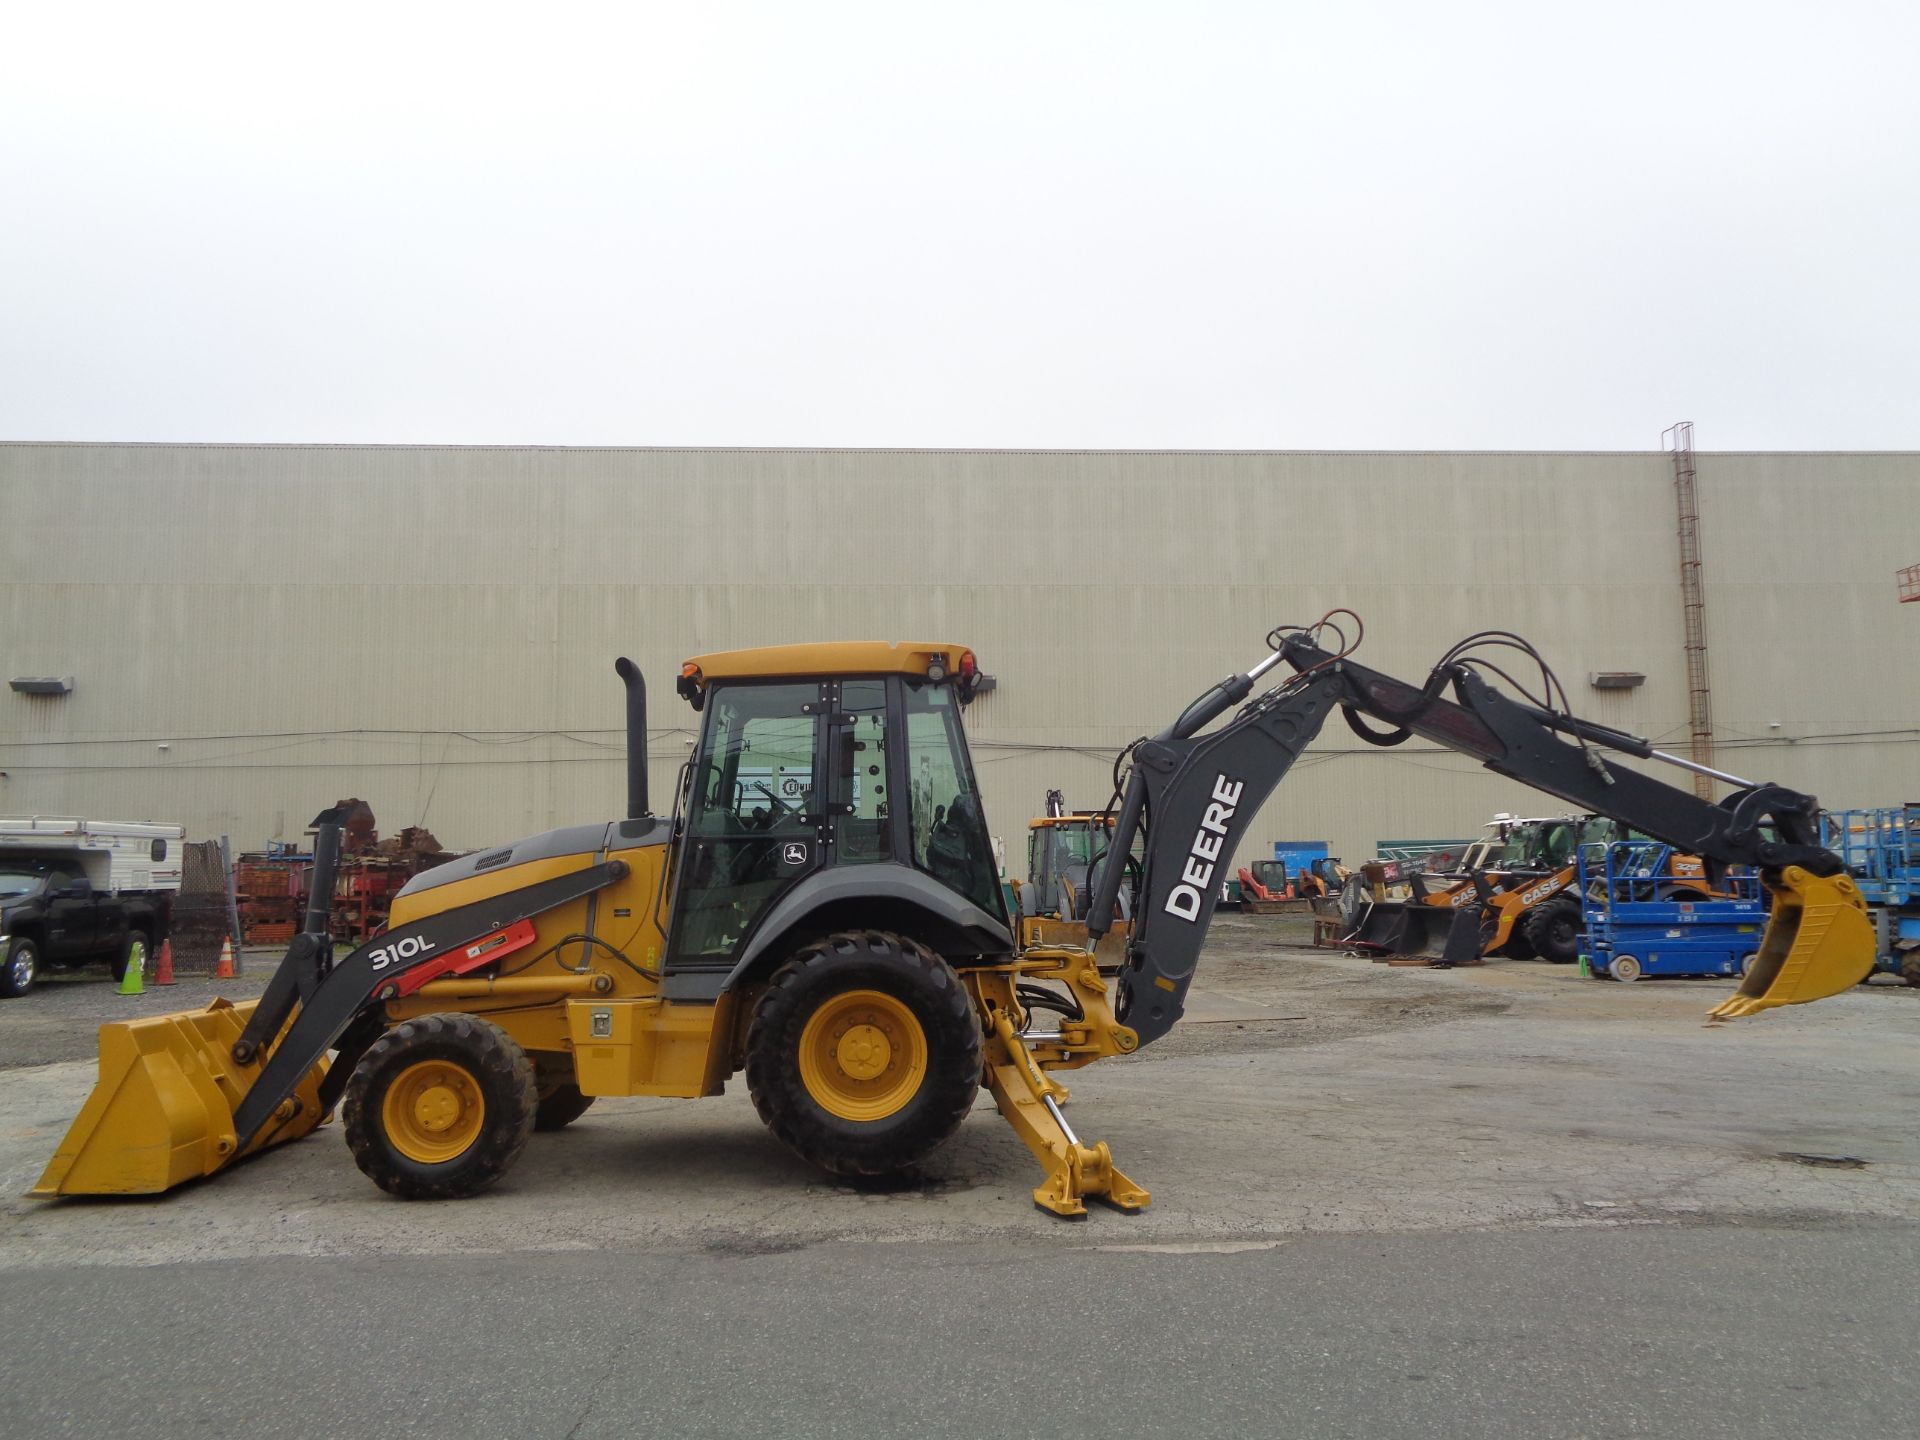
(1194, 795)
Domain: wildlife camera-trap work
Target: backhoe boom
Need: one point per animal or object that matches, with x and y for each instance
(1195, 795)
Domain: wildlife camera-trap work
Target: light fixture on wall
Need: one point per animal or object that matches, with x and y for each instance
(42, 684)
(1615, 679)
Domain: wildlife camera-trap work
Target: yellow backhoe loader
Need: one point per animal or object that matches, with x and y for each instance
(1063, 846)
(820, 911)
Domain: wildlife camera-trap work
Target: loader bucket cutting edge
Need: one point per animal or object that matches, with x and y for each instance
(1395, 927)
(161, 1111)
(1819, 942)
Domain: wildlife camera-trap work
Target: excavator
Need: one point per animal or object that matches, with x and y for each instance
(820, 911)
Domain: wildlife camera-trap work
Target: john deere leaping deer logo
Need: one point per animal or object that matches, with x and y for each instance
(794, 852)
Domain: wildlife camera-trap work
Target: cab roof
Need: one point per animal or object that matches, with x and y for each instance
(841, 657)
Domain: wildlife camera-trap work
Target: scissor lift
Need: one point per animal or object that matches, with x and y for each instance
(1632, 934)
(1881, 850)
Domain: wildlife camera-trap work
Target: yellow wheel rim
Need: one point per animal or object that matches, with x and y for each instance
(863, 1055)
(433, 1111)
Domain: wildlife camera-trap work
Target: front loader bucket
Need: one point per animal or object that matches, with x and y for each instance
(1819, 942)
(1395, 927)
(161, 1112)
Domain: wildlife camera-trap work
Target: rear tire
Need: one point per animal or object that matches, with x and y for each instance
(20, 967)
(439, 1108)
(865, 1053)
(1625, 969)
(560, 1106)
(1553, 930)
(1910, 968)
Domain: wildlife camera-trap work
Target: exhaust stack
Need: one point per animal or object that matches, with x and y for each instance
(636, 737)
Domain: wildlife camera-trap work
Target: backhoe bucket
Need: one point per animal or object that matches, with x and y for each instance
(161, 1112)
(1819, 942)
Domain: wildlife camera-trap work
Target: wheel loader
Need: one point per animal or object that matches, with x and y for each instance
(819, 910)
(1512, 894)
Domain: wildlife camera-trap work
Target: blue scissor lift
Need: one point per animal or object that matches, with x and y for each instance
(1640, 923)
(1881, 850)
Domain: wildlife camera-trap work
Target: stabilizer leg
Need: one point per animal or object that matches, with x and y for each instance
(1030, 1101)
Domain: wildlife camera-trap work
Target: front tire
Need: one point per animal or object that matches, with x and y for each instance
(865, 1053)
(1553, 930)
(20, 967)
(439, 1108)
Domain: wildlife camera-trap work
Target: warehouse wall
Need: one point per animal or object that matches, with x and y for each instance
(433, 629)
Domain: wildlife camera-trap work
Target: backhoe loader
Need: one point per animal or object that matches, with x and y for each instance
(1062, 848)
(820, 911)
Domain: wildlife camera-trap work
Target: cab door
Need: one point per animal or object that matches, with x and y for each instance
(756, 816)
(861, 773)
(72, 915)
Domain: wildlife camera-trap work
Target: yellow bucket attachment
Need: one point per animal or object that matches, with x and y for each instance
(162, 1110)
(1819, 942)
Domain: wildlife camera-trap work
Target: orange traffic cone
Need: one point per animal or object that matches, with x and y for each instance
(224, 970)
(163, 971)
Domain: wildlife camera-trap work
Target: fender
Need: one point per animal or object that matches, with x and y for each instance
(968, 930)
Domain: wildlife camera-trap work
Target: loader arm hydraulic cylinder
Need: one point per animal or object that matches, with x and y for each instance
(1194, 795)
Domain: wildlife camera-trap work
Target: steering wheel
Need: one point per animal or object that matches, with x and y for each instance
(782, 810)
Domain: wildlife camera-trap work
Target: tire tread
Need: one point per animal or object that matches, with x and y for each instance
(505, 1073)
(954, 1060)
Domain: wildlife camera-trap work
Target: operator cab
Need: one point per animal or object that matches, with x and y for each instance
(816, 757)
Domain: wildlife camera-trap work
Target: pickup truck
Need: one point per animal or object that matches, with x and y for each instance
(75, 892)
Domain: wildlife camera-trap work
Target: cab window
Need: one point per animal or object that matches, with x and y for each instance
(751, 815)
(948, 829)
(858, 790)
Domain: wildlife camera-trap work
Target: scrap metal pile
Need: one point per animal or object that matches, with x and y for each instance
(273, 884)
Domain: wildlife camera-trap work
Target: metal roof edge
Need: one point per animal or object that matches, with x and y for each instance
(331, 446)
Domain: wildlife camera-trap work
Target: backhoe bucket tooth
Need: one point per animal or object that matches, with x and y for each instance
(1819, 942)
(161, 1111)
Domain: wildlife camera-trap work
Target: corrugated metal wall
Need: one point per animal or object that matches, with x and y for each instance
(433, 629)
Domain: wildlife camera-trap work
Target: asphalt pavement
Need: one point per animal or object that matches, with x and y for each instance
(1488, 1202)
(1601, 1331)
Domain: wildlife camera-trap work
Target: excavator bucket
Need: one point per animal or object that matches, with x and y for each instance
(161, 1112)
(1819, 942)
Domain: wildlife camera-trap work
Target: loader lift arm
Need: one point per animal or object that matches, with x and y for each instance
(1195, 794)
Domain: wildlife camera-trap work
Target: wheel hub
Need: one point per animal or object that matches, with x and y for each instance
(437, 1108)
(863, 1052)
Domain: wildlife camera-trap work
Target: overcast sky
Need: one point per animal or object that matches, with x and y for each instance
(1328, 225)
